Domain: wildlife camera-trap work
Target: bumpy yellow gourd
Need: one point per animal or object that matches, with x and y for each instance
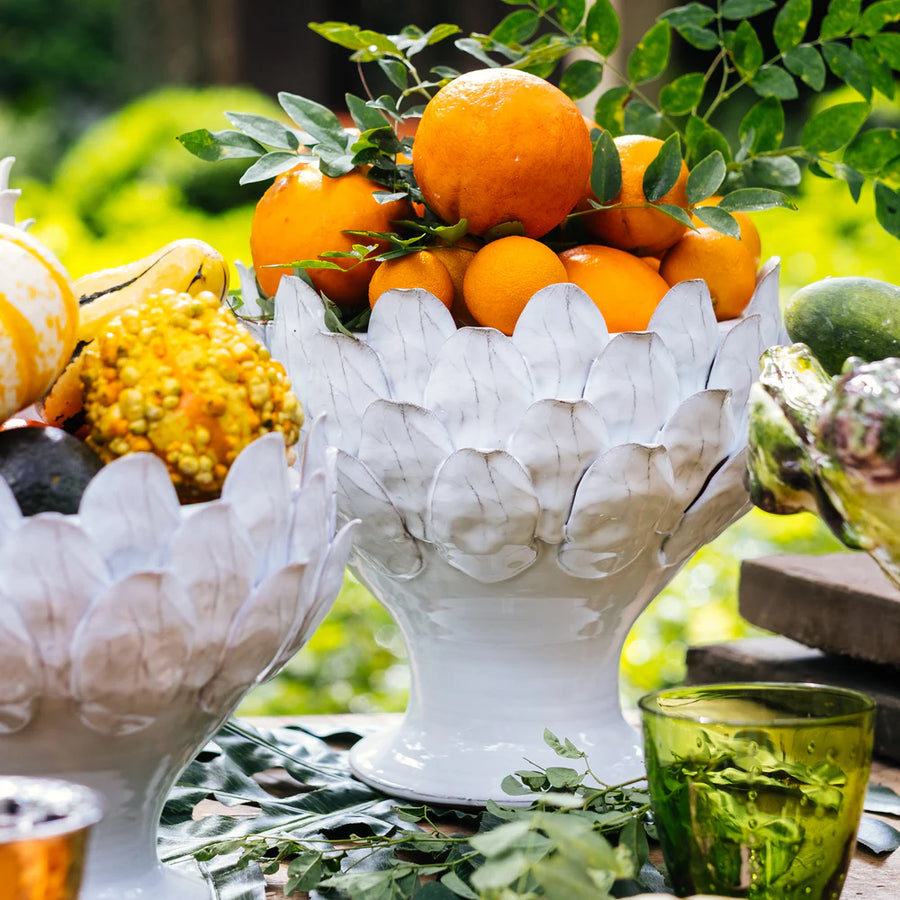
(179, 377)
(38, 311)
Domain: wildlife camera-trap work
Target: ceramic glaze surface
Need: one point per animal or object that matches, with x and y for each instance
(522, 499)
(131, 630)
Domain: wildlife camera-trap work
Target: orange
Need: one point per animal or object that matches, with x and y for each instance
(500, 145)
(417, 270)
(629, 224)
(624, 288)
(723, 262)
(504, 275)
(304, 213)
(749, 234)
(457, 259)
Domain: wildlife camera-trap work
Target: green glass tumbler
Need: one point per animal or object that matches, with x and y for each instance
(757, 789)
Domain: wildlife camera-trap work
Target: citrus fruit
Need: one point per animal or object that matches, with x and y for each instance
(629, 224)
(503, 277)
(723, 262)
(304, 214)
(500, 145)
(417, 270)
(457, 259)
(749, 234)
(624, 288)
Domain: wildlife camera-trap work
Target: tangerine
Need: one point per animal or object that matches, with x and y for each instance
(749, 233)
(628, 224)
(501, 145)
(723, 262)
(624, 288)
(503, 277)
(423, 269)
(304, 213)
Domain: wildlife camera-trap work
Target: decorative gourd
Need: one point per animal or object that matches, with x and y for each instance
(38, 310)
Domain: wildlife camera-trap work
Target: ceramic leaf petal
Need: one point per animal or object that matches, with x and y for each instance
(348, 377)
(258, 632)
(20, 671)
(698, 438)
(406, 330)
(618, 504)
(130, 511)
(131, 651)
(479, 388)
(736, 367)
(634, 385)
(310, 516)
(10, 514)
(51, 572)
(312, 450)
(258, 490)
(215, 559)
(560, 333)
(765, 304)
(483, 514)
(685, 320)
(382, 537)
(402, 446)
(723, 501)
(299, 314)
(556, 441)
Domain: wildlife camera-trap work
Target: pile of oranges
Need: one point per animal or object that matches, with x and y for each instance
(511, 154)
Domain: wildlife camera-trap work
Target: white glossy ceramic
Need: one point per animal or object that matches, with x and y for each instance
(130, 631)
(522, 500)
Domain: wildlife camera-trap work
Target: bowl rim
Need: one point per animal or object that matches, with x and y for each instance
(75, 807)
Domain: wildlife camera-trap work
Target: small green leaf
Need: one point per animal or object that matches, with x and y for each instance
(807, 64)
(683, 94)
(791, 23)
(834, 127)
(650, 55)
(370, 43)
(365, 116)
(745, 9)
(888, 46)
(694, 14)
(474, 47)
(706, 177)
(452, 881)
(517, 27)
(609, 111)
(606, 171)
(563, 777)
(641, 118)
(719, 219)
(396, 72)
(762, 128)
(701, 38)
(746, 49)
(270, 165)
(840, 18)
(701, 139)
(849, 67)
(502, 838)
(872, 150)
(663, 171)
(675, 212)
(887, 208)
(582, 77)
(304, 872)
(512, 786)
(212, 146)
(853, 178)
(773, 81)
(499, 872)
(602, 29)
(265, 130)
(879, 70)
(879, 14)
(776, 171)
(570, 13)
(318, 120)
(755, 200)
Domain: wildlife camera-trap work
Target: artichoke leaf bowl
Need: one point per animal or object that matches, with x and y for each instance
(131, 630)
(521, 500)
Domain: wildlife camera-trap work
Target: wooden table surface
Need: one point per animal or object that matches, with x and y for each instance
(870, 877)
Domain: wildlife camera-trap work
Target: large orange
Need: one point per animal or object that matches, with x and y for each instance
(624, 288)
(422, 269)
(500, 145)
(304, 214)
(749, 233)
(630, 224)
(723, 262)
(503, 277)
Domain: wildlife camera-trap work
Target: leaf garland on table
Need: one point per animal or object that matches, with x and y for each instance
(333, 833)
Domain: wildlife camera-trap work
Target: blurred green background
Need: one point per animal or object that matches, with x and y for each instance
(92, 119)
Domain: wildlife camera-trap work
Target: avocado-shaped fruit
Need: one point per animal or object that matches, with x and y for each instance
(842, 317)
(47, 468)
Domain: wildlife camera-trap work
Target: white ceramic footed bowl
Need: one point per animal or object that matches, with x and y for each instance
(130, 631)
(522, 500)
